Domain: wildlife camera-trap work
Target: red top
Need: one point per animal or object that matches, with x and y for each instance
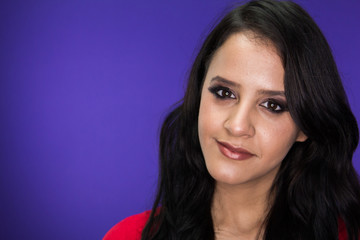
(130, 228)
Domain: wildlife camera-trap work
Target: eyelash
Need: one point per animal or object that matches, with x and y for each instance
(279, 107)
(225, 93)
(219, 90)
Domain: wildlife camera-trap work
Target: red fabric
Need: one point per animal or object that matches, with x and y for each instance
(130, 228)
(342, 230)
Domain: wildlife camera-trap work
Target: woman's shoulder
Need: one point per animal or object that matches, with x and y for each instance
(130, 228)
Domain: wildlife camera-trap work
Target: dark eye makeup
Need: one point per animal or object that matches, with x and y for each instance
(274, 105)
(271, 104)
(222, 92)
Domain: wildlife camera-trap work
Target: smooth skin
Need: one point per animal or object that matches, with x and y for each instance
(243, 111)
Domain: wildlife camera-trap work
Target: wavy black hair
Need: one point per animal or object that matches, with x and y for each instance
(317, 186)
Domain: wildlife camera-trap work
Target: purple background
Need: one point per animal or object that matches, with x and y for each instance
(84, 86)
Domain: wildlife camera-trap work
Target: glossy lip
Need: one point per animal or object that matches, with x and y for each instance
(235, 153)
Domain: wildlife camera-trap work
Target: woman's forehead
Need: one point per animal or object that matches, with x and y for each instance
(245, 61)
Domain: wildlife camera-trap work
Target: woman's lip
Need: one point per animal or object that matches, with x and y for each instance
(232, 152)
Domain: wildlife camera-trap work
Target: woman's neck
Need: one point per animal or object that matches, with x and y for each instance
(239, 211)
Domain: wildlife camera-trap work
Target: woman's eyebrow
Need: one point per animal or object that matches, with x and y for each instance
(225, 81)
(237, 85)
(271, 93)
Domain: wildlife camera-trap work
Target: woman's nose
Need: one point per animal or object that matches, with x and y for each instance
(240, 122)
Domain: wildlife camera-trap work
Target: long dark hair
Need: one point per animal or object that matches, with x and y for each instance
(316, 186)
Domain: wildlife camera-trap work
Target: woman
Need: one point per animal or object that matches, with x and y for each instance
(261, 145)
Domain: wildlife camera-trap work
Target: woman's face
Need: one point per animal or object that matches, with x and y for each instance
(245, 130)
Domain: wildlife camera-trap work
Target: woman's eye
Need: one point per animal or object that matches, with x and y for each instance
(222, 92)
(273, 106)
(225, 94)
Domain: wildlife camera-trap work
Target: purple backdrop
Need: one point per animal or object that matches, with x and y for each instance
(83, 88)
